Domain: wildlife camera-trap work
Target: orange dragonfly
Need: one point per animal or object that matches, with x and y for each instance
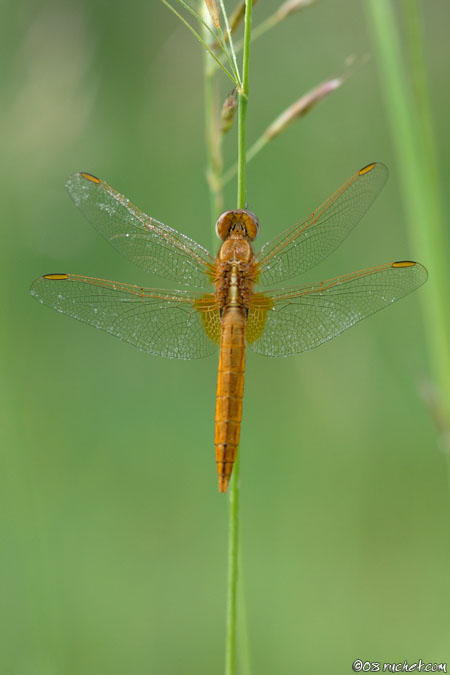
(188, 325)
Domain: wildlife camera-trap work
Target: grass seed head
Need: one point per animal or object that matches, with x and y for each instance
(214, 12)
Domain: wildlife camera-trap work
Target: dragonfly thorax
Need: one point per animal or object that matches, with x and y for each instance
(235, 274)
(235, 249)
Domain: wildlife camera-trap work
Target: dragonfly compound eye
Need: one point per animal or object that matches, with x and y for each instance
(223, 224)
(251, 224)
(236, 220)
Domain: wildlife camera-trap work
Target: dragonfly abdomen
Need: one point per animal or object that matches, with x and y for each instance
(230, 391)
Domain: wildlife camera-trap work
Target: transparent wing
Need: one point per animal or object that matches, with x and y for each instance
(287, 322)
(143, 240)
(305, 244)
(176, 324)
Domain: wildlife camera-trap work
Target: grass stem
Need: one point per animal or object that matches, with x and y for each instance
(412, 131)
(215, 182)
(233, 537)
(243, 103)
(233, 567)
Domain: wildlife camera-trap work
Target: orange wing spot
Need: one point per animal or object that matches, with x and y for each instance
(404, 263)
(56, 277)
(367, 168)
(210, 316)
(257, 316)
(90, 177)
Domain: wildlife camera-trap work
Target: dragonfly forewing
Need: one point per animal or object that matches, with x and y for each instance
(143, 240)
(304, 245)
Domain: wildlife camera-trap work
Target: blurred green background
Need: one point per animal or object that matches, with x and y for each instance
(113, 534)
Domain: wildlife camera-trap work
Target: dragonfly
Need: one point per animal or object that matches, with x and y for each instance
(233, 305)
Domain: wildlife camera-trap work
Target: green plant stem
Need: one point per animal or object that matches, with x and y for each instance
(410, 121)
(214, 173)
(416, 52)
(243, 103)
(244, 649)
(233, 567)
(233, 537)
(425, 120)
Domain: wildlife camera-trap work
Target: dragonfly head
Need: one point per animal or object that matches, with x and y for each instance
(238, 221)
